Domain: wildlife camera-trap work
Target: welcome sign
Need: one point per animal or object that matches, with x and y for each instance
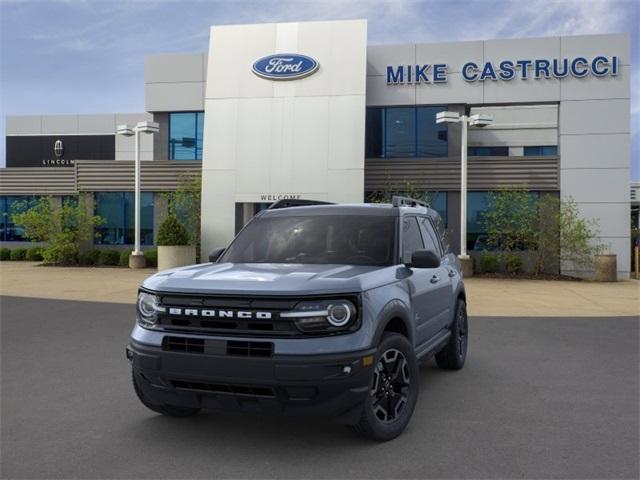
(506, 70)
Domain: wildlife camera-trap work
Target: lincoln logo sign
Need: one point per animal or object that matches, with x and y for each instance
(58, 148)
(285, 66)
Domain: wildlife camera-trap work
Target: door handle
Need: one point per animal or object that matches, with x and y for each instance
(435, 279)
(452, 273)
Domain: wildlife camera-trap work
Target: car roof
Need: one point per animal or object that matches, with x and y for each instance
(372, 209)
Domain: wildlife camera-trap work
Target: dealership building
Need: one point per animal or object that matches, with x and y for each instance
(309, 110)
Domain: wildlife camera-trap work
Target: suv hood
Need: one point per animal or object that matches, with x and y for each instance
(270, 279)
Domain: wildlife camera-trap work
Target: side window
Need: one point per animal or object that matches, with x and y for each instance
(411, 238)
(430, 239)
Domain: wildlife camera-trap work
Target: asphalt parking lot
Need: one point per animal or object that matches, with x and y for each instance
(539, 397)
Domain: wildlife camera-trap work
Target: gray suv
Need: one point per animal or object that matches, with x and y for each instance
(313, 309)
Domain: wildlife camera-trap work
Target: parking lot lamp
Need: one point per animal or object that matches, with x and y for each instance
(136, 259)
(478, 120)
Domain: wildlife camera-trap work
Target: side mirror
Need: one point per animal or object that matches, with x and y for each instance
(424, 259)
(215, 254)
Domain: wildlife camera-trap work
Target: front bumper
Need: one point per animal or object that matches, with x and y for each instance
(332, 385)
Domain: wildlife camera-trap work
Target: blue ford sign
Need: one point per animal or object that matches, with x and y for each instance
(284, 66)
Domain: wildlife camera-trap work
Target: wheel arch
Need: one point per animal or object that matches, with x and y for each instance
(394, 318)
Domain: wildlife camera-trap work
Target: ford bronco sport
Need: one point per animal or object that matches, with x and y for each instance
(313, 309)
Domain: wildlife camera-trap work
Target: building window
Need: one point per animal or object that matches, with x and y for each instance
(541, 151)
(185, 135)
(440, 203)
(117, 212)
(9, 206)
(488, 151)
(405, 132)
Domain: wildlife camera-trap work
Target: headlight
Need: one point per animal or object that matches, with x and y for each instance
(148, 309)
(323, 316)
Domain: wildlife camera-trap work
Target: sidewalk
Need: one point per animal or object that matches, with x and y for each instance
(486, 297)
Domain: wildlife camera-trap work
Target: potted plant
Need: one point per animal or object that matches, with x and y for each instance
(173, 245)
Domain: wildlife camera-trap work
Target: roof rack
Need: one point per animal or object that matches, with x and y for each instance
(297, 202)
(400, 201)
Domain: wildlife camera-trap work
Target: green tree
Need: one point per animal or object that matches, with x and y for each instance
(509, 219)
(185, 204)
(61, 227)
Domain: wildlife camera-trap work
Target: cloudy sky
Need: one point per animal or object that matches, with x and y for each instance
(87, 56)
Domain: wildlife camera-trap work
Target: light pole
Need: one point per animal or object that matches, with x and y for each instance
(478, 120)
(136, 259)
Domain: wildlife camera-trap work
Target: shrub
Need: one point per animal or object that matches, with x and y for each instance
(62, 228)
(34, 254)
(513, 263)
(151, 257)
(124, 258)
(89, 257)
(109, 257)
(172, 232)
(489, 262)
(18, 253)
(5, 254)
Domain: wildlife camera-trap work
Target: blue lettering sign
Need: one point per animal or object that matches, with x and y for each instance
(439, 73)
(285, 66)
(470, 66)
(506, 70)
(397, 76)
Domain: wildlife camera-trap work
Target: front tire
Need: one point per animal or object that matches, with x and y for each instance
(454, 353)
(394, 390)
(169, 410)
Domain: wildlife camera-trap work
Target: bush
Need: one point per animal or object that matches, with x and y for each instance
(124, 258)
(34, 254)
(489, 262)
(18, 254)
(62, 228)
(109, 257)
(89, 257)
(152, 258)
(172, 232)
(513, 263)
(5, 254)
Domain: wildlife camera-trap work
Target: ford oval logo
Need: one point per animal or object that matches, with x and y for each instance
(285, 66)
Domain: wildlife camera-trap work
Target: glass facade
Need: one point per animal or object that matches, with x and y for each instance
(10, 205)
(488, 151)
(185, 135)
(541, 151)
(440, 203)
(117, 212)
(405, 132)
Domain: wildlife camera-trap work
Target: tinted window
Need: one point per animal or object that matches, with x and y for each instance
(488, 151)
(185, 135)
(117, 212)
(331, 239)
(429, 235)
(411, 238)
(374, 132)
(541, 150)
(400, 129)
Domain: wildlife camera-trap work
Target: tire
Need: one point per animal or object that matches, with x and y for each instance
(394, 390)
(454, 353)
(169, 410)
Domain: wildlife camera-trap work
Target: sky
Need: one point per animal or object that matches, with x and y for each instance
(87, 56)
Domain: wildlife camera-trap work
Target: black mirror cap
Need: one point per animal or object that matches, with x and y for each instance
(215, 254)
(424, 259)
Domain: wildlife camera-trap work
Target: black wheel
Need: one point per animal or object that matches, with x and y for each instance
(394, 390)
(454, 353)
(169, 410)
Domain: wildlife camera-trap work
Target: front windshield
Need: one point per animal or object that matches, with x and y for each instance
(336, 239)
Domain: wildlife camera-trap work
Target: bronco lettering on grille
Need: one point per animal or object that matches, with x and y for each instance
(209, 313)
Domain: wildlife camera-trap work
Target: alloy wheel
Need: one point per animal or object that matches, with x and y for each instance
(390, 389)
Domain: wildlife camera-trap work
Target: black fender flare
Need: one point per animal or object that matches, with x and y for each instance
(393, 309)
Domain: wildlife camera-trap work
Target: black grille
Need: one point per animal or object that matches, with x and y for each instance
(244, 390)
(183, 344)
(250, 349)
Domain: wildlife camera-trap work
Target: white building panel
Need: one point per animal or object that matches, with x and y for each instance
(595, 117)
(596, 185)
(595, 151)
(453, 54)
